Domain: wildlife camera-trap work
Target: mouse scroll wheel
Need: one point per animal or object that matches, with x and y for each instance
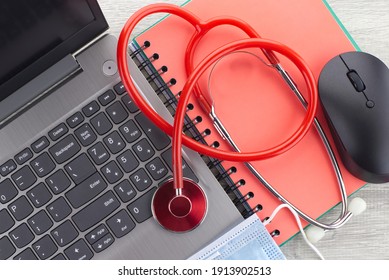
(356, 81)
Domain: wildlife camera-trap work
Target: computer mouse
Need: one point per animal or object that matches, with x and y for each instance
(354, 93)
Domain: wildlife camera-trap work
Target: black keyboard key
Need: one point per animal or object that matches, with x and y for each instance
(64, 234)
(140, 209)
(96, 211)
(98, 153)
(91, 108)
(119, 88)
(103, 243)
(40, 144)
(6, 221)
(112, 172)
(101, 123)
(44, 247)
(85, 135)
(96, 234)
(58, 131)
(141, 180)
(127, 161)
(85, 191)
(159, 139)
(27, 254)
(107, 97)
(130, 104)
(24, 178)
(58, 182)
(20, 208)
(79, 251)
(7, 191)
(114, 142)
(75, 120)
(21, 235)
(23, 156)
(59, 209)
(80, 168)
(120, 224)
(7, 167)
(42, 165)
(125, 191)
(40, 222)
(59, 257)
(143, 150)
(39, 195)
(6, 248)
(130, 131)
(65, 149)
(157, 169)
(188, 173)
(117, 113)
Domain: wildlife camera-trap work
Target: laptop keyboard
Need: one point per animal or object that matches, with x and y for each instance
(87, 182)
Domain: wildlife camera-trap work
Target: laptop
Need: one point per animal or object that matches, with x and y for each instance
(79, 162)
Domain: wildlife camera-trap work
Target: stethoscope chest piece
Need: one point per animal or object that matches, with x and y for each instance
(179, 210)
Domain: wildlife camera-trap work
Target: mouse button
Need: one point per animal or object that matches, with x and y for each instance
(356, 81)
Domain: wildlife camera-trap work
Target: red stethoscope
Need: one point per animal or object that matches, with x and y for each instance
(180, 204)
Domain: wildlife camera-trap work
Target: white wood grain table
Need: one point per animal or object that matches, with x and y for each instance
(365, 236)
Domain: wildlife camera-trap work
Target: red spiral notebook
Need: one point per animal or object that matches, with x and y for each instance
(255, 105)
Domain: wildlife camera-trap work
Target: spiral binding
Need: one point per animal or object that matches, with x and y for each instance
(170, 100)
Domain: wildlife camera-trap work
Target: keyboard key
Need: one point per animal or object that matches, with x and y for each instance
(125, 191)
(59, 257)
(107, 97)
(65, 149)
(42, 165)
(7, 167)
(143, 150)
(27, 254)
(130, 131)
(40, 144)
(59, 209)
(85, 135)
(188, 173)
(7, 191)
(96, 211)
(21, 235)
(120, 224)
(127, 161)
(119, 88)
(88, 189)
(91, 108)
(114, 142)
(24, 178)
(157, 169)
(80, 168)
(140, 209)
(98, 153)
(103, 243)
(59, 131)
(101, 123)
(75, 120)
(23, 156)
(159, 139)
(116, 112)
(44, 247)
(130, 104)
(58, 182)
(6, 221)
(64, 234)
(39, 195)
(96, 234)
(141, 180)
(20, 208)
(112, 172)
(6, 248)
(40, 222)
(79, 251)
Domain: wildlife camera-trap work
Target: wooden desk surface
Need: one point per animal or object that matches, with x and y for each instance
(365, 236)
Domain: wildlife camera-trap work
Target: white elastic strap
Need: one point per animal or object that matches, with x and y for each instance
(298, 221)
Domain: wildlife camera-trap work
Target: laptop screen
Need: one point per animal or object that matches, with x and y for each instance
(36, 34)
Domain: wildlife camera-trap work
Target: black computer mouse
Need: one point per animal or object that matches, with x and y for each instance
(354, 93)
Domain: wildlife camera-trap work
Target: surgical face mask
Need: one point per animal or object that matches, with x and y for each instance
(247, 241)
